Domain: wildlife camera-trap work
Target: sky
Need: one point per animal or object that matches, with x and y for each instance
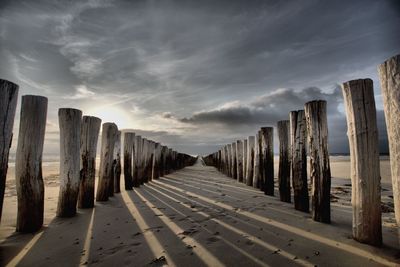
(195, 75)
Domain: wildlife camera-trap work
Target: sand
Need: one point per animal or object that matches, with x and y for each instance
(196, 217)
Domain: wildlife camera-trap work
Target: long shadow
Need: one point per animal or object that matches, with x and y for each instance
(55, 241)
(235, 248)
(179, 251)
(307, 236)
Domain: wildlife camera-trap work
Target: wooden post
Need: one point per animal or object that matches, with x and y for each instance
(156, 162)
(108, 135)
(320, 173)
(70, 121)
(390, 86)
(129, 139)
(8, 104)
(230, 160)
(89, 136)
(267, 146)
(145, 154)
(117, 164)
(138, 161)
(28, 163)
(284, 160)
(151, 161)
(250, 160)
(257, 158)
(298, 135)
(364, 152)
(245, 160)
(234, 161)
(239, 160)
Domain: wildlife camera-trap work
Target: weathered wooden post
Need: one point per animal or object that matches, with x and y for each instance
(156, 161)
(145, 154)
(390, 86)
(89, 136)
(151, 161)
(28, 163)
(234, 161)
(250, 160)
(362, 132)
(108, 135)
(138, 161)
(239, 160)
(117, 164)
(284, 160)
(244, 160)
(267, 146)
(230, 160)
(8, 104)
(256, 168)
(320, 173)
(298, 135)
(70, 121)
(129, 139)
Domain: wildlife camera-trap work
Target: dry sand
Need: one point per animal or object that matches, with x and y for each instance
(196, 217)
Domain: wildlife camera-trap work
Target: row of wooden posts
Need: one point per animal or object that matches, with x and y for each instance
(143, 159)
(251, 160)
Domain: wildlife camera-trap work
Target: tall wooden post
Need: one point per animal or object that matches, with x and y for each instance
(267, 146)
(364, 152)
(234, 161)
(250, 160)
(298, 135)
(239, 160)
(138, 161)
(28, 164)
(256, 162)
(8, 104)
(129, 139)
(245, 160)
(89, 136)
(320, 172)
(145, 154)
(117, 164)
(284, 160)
(109, 133)
(390, 86)
(70, 121)
(230, 160)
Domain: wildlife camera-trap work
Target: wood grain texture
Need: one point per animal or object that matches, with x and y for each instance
(284, 160)
(28, 163)
(8, 105)
(362, 132)
(267, 146)
(70, 121)
(320, 172)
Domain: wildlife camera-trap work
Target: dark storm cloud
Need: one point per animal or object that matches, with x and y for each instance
(178, 57)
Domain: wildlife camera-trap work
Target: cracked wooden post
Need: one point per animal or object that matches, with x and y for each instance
(8, 105)
(362, 132)
(284, 160)
(89, 137)
(138, 161)
(256, 162)
(239, 159)
(109, 132)
(320, 173)
(129, 139)
(250, 160)
(267, 146)
(298, 141)
(244, 160)
(234, 161)
(117, 164)
(70, 121)
(28, 163)
(390, 86)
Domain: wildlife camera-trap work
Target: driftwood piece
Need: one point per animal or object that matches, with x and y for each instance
(298, 135)
(28, 163)
(284, 160)
(362, 132)
(389, 74)
(320, 172)
(88, 148)
(70, 121)
(8, 105)
(108, 134)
